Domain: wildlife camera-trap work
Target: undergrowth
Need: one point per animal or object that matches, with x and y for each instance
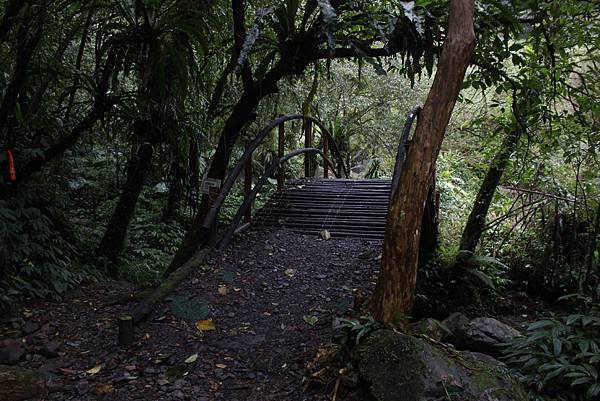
(559, 357)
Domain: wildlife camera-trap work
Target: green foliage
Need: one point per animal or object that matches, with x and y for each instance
(37, 250)
(351, 331)
(559, 357)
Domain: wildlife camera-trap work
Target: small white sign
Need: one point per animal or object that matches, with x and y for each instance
(209, 183)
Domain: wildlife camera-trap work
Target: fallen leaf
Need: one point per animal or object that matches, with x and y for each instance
(191, 358)
(325, 234)
(160, 358)
(67, 371)
(311, 320)
(221, 365)
(205, 325)
(104, 389)
(290, 272)
(222, 289)
(95, 369)
(147, 336)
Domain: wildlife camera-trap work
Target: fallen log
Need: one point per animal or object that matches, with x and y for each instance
(146, 307)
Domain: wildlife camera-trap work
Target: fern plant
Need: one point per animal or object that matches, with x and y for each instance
(351, 331)
(559, 357)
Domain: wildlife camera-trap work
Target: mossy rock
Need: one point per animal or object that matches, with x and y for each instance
(399, 367)
(18, 384)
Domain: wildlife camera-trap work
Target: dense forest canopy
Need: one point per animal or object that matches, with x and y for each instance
(115, 116)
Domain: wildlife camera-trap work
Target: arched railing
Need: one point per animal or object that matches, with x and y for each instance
(249, 199)
(213, 211)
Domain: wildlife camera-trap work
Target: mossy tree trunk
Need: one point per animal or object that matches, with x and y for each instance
(394, 293)
(476, 221)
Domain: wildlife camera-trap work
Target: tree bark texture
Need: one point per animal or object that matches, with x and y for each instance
(394, 293)
(429, 227)
(476, 221)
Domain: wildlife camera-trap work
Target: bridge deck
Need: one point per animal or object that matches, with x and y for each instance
(344, 207)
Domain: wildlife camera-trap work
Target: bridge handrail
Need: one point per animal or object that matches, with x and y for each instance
(213, 211)
(247, 204)
(401, 154)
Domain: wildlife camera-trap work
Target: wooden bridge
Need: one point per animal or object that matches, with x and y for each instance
(343, 207)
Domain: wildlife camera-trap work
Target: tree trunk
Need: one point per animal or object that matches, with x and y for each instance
(78, 61)
(476, 221)
(114, 237)
(10, 15)
(428, 242)
(394, 293)
(29, 37)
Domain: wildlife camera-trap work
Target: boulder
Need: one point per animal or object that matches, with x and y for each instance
(482, 334)
(18, 384)
(11, 351)
(456, 322)
(399, 367)
(430, 328)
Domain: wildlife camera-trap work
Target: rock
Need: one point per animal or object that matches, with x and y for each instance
(456, 322)
(18, 384)
(429, 327)
(482, 334)
(11, 352)
(50, 349)
(30, 327)
(325, 234)
(399, 367)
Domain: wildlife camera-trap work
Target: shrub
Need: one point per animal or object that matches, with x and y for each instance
(559, 357)
(36, 250)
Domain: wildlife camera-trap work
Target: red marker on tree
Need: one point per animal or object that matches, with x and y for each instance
(12, 172)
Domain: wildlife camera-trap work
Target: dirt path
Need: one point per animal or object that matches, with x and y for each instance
(272, 297)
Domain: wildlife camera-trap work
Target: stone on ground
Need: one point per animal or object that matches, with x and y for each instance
(482, 334)
(399, 367)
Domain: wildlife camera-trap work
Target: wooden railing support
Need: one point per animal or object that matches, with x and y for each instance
(326, 153)
(308, 143)
(228, 235)
(280, 152)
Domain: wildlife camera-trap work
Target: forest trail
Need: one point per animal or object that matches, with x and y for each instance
(272, 296)
(344, 207)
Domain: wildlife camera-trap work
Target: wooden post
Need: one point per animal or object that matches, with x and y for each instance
(213, 192)
(280, 150)
(326, 154)
(125, 330)
(248, 186)
(308, 143)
